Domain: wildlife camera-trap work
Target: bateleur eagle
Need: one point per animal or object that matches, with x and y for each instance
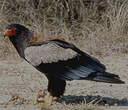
(57, 59)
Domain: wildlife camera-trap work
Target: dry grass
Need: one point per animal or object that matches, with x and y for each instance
(98, 27)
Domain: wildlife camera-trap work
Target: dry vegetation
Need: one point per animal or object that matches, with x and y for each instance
(99, 27)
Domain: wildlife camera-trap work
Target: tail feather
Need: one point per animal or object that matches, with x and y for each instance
(106, 77)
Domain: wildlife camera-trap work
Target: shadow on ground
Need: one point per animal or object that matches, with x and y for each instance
(70, 99)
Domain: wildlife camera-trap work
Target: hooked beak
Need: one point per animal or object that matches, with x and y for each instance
(6, 33)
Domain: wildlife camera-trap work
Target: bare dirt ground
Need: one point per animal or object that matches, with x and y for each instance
(20, 82)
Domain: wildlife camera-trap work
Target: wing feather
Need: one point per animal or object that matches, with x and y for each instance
(48, 53)
(62, 60)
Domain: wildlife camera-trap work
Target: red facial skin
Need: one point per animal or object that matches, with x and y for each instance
(10, 32)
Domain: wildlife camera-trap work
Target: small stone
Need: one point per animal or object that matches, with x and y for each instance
(116, 104)
(107, 105)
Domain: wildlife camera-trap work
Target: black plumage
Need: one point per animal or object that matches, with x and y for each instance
(59, 60)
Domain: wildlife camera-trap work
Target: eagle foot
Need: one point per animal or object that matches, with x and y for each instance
(44, 98)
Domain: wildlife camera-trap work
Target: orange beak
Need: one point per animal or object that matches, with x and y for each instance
(10, 32)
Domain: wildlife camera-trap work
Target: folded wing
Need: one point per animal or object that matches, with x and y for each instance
(65, 61)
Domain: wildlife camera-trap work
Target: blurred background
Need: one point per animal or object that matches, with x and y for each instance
(99, 27)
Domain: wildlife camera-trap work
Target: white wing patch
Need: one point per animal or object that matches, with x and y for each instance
(48, 53)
